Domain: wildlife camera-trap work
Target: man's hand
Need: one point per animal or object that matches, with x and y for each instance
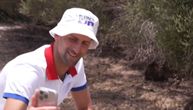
(34, 104)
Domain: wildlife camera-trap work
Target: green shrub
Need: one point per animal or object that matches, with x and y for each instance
(50, 11)
(174, 23)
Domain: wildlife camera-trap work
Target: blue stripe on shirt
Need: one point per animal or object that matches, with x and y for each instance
(79, 88)
(15, 96)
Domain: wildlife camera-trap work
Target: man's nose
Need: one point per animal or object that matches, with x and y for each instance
(77, 48)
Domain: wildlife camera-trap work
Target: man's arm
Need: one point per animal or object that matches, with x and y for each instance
(13, 104)
(82, 99)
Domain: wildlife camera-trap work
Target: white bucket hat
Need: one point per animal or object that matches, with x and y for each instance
(79, 21)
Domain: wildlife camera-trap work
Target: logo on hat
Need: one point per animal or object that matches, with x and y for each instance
(86, 20)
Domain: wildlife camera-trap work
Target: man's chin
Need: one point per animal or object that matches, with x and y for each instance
(72, 62)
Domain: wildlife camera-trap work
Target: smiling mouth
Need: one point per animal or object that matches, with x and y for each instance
(71, 54)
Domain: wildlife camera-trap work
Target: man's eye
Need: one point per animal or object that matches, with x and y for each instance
(72, 39)
(86, 44)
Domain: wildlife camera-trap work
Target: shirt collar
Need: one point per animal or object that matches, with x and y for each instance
(51, 69)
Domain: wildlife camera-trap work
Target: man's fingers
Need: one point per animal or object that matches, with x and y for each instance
(49, 108)
(45, 108)
(34, 99)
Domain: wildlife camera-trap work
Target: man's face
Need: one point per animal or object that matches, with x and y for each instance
(71, 48)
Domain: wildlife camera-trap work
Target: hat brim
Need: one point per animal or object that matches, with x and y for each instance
(63, 30)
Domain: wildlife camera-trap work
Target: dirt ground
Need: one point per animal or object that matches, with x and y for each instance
(113, 85)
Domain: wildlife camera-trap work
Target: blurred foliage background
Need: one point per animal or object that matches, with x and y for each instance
(145, 33)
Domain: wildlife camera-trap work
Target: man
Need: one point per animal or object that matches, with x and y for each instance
(57, 66)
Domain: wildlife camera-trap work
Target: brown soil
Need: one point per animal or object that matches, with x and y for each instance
(113, 85)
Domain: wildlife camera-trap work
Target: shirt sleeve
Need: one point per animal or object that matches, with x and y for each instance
(79, 81)
(22, 80)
